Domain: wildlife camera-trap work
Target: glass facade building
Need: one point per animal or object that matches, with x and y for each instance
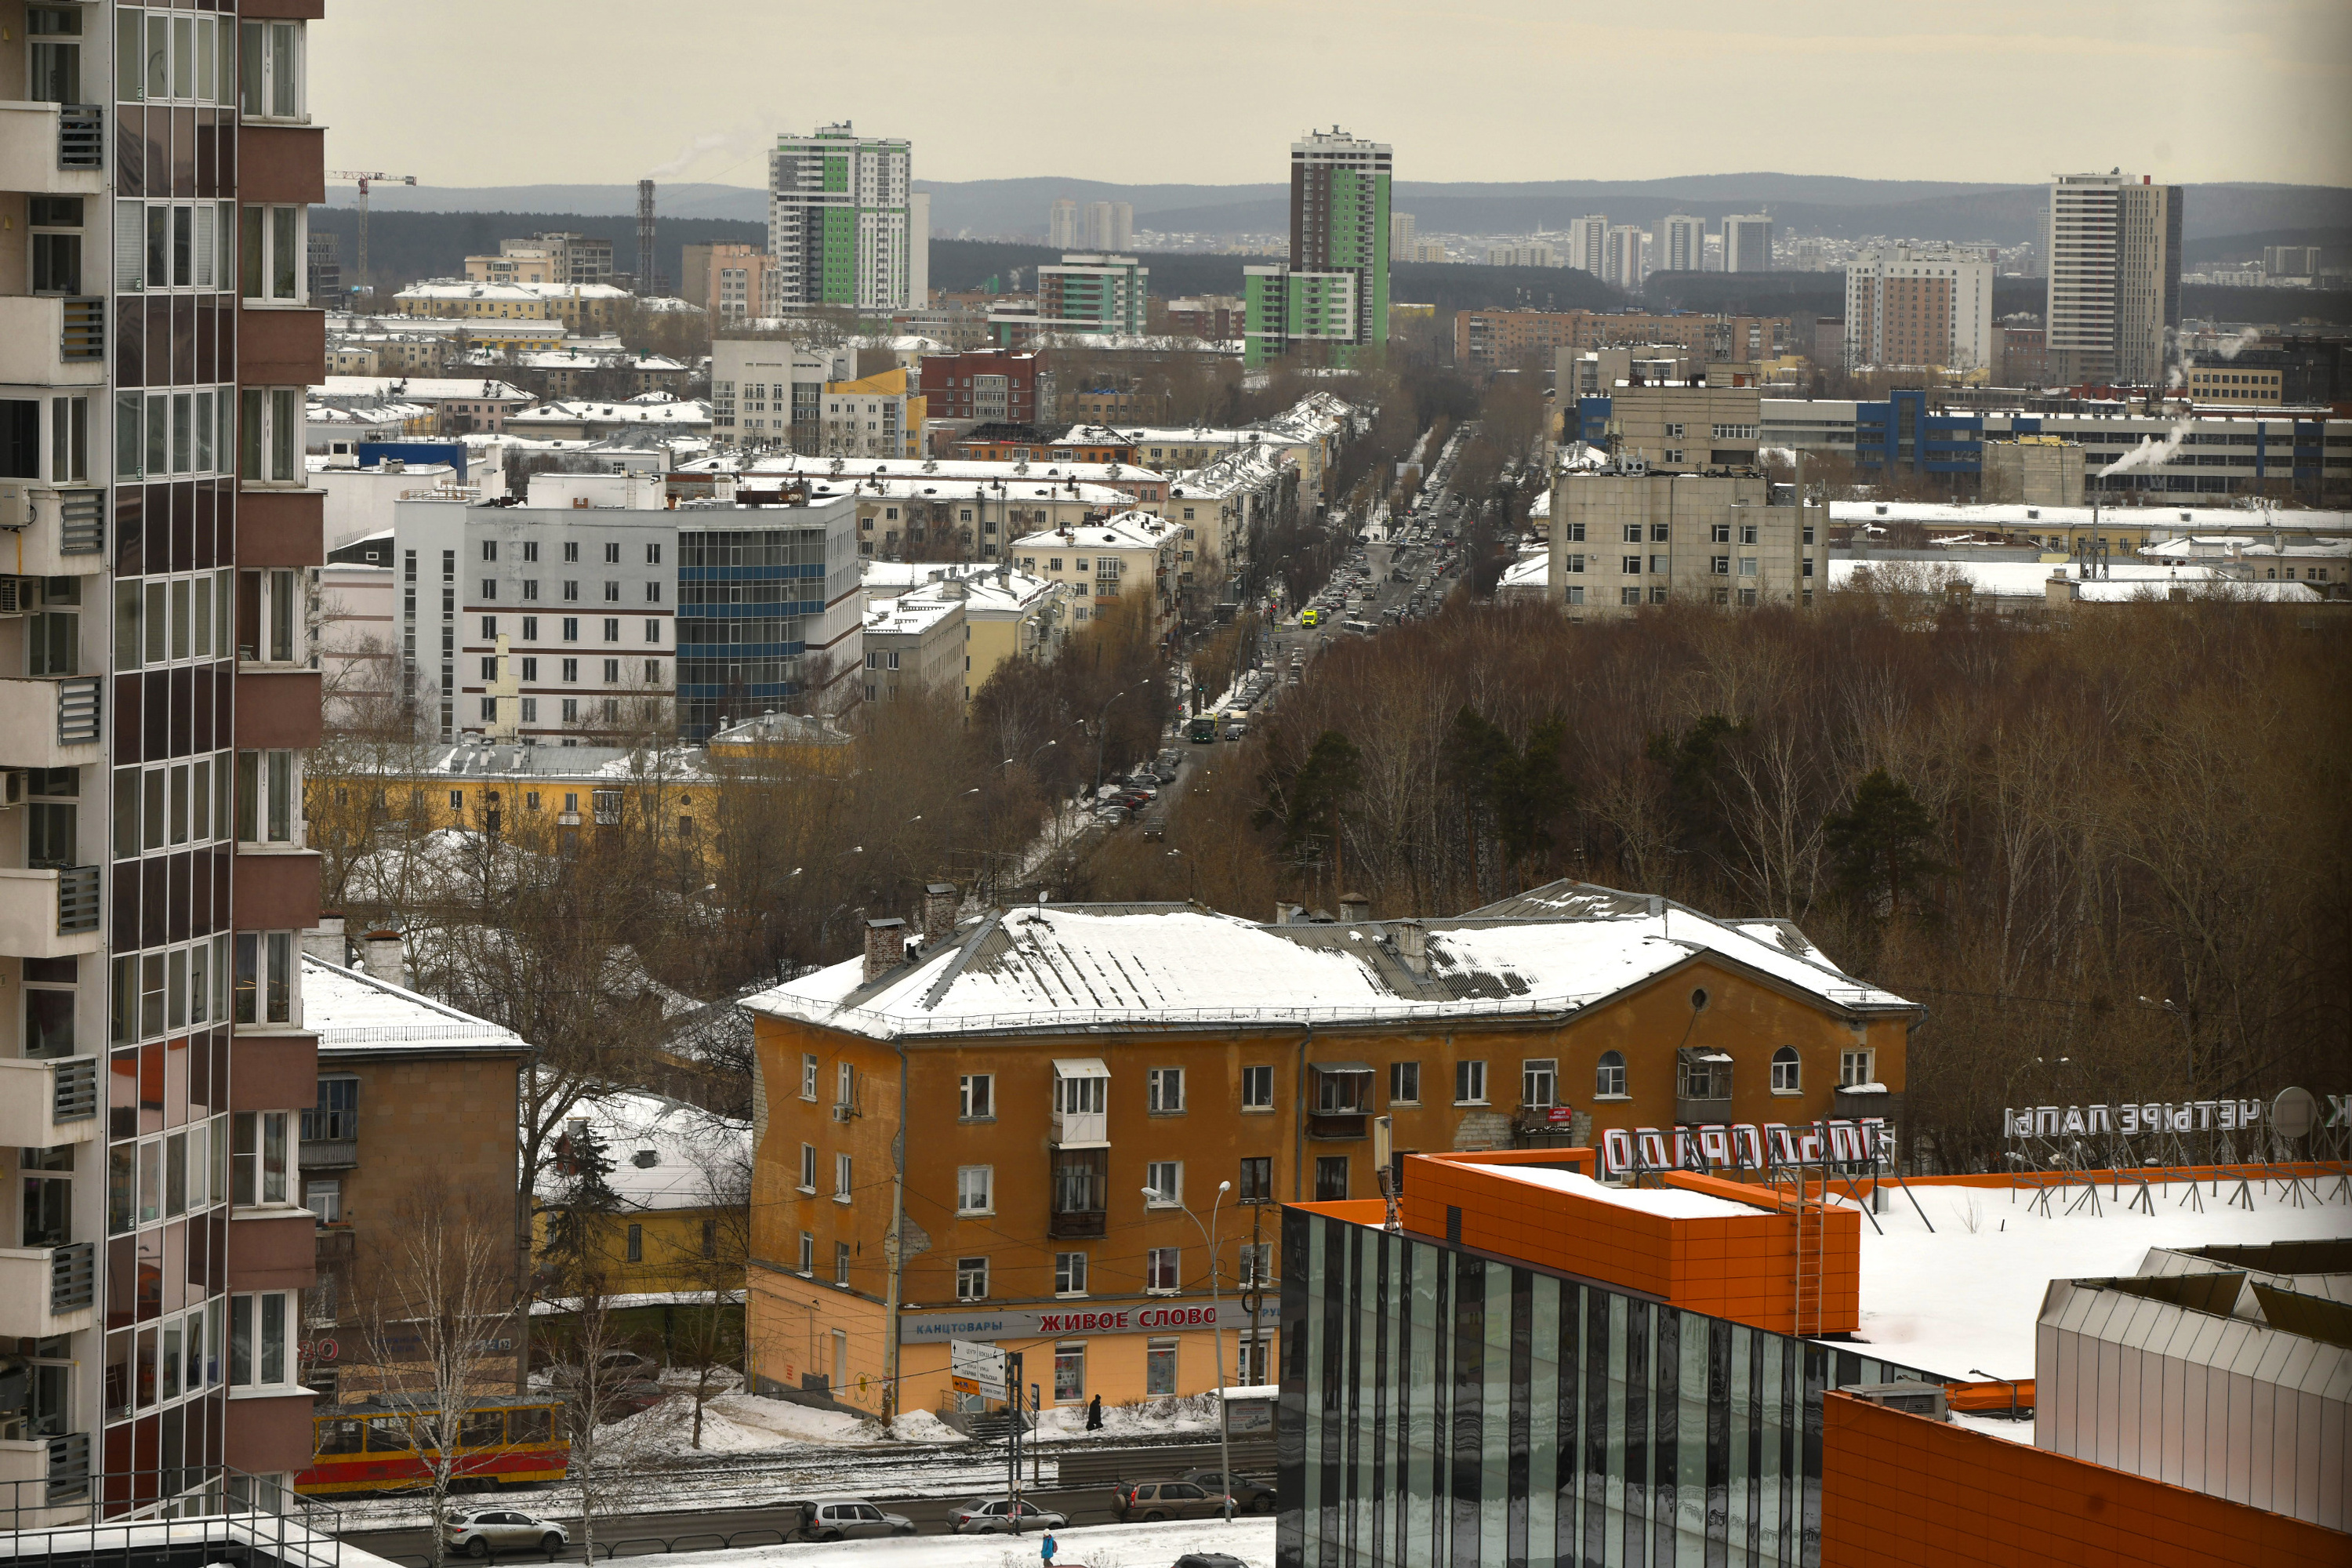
(1441, 1406)
(754, 601)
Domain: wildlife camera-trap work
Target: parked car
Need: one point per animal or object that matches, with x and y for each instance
(479, 1531)
(994, 1516)
(1150, 1501)
(841, 1519)
(1209, 1560)
(1254, 1496)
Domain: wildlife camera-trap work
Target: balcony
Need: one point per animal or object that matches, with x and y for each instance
(49, 913)
(52, 339)
(53, 149)
(45, 1481)
(46, 1103)
(48, 723)
(48, 1290)
(329, 1153)
(1702, 1087)
(51, 533)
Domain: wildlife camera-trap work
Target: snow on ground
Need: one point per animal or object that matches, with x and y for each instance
(1963, 1298)
(1094, 1546)
(737, 1423)
(1154, 1418)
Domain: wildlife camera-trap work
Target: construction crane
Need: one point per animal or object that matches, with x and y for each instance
(366, 177)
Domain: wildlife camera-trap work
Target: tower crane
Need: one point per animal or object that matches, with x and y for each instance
(366, 177)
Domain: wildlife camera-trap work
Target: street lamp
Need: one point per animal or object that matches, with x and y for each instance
(1216, 1330)
(1101, 734)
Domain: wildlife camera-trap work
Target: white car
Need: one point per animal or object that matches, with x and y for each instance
(479, 1531)
(978, 1518)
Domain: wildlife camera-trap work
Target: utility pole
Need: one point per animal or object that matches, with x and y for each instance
(366, 177)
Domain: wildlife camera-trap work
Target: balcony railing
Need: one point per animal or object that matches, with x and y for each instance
(81, 136)
(1710, 1111)
(1330, 1124)
(78, 900)
(84, 337)
(68, 1477)
(73, 1089)
(1063, 1223)
(72, 1276)
(82, 523)
(329, 1153)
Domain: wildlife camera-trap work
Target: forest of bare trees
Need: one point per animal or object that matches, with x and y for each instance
(2110, 860)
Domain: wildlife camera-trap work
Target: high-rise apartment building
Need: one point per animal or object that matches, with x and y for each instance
(1747, 242)
(159, 701)
(1916, 308)
(1092, 292)
(1585, 244)
(844, 225)
(1110, 226)
(1681, 243)
(1622, 258)
(1334, 289)
(1062, 231)
(729, 281)
(2113, 294)
(1400, 240)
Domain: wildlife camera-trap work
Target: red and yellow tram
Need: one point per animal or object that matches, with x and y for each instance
(383, 1446)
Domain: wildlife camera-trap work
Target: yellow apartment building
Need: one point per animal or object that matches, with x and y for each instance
(1102, 1090)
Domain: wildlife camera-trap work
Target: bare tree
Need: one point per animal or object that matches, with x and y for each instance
(442, 1295)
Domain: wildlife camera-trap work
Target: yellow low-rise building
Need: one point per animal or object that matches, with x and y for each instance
(874, 417)
(670, 1217)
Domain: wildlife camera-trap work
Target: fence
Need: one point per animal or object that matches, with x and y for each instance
(223, 1515)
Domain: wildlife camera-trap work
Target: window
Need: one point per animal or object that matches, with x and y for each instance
(323, 1196)
(971, 1278)
(976, 1189)
(1069, 1374)
(612, 553)
(269, 792)
(808, 1253)
(1162, 1270)
(1719, 533)
(975, 1097)
(1632, 533)
(1158, 1368)
(611, 629)
(270, 77)
(1331, 1178)
(637, 1243)
(808, 1062)
(612, 671)
(1609, 1078)
(1469, 1083)
(1257, 1088)
(841, 1182)
(808, 1168)
(257, 1161)
(270, 450)
(1630, 594)
(571, 634)
(1539, 1083)
(1404, 1083)
(337, 1115)
(1631, 566)
(1069, 1274)
(1854, 1068)
(1788, 1072)
(1257, 1185)
(1165, 1091)
(1166, 1180)
(258, 1327)
(262, 987)
(273, 257)
(612, 593)
(572, 552)
(844, 1083)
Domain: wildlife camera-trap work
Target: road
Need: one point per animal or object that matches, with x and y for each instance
(708, 1528)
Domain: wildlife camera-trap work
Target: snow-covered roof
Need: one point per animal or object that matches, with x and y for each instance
(1127, 531)
(665, 1154)
(1531, 570)
(852, 469)
(354, 1014)
(2162, 520)
(908, 614)
(651, 408)
(942, 488)
(2209, 547)
(2123, 580)
(1058, 967)
(433, 388)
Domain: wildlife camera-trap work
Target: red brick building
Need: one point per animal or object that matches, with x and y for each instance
(988, 385)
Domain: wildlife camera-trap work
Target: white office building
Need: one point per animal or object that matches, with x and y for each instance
(1681, 243)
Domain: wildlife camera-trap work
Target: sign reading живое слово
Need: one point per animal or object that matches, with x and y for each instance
(1151, 1318)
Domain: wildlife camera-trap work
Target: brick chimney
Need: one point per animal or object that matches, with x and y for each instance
(885, 947)
(940, 900)
(384, 954)
(1412, 939)
(1288, 914)
(1354, 907)
(327, 941)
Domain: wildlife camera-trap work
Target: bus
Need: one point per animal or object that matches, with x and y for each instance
(1203, 729)
(508, 1439)
(1308, 617)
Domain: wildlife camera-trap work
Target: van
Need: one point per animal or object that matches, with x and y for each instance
(1361, 628)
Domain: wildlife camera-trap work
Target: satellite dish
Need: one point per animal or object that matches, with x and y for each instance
(2293, 1113)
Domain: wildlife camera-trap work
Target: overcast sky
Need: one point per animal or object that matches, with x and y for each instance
(563, 92)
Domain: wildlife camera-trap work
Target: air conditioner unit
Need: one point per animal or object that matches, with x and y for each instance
(1913, 1398)
(12, 786)
(842, 1112)
(15, 505)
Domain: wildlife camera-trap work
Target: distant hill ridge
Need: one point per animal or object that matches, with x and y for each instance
(1802, 204)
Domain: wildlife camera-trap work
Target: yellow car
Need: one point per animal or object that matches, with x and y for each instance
(1308, 617)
